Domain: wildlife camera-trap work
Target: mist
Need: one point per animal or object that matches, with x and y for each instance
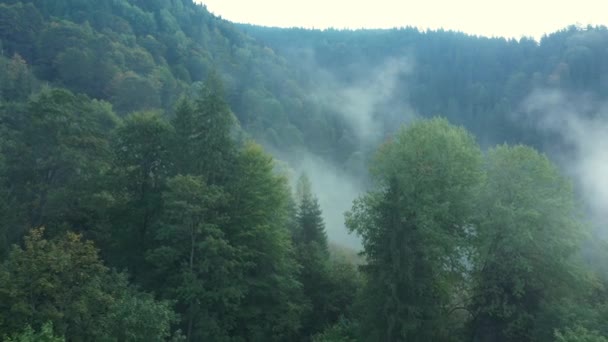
(335, 191)
(580, 122)
(368, 102)
(372, 109)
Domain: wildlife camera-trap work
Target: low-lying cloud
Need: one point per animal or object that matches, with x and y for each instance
(335, 191)
(368, 101)
(581, 123)
(368, 104)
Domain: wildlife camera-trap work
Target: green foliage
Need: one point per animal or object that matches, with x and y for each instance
(310, 228)
(29, 335)
(16, 79)
(171, 191)
(343, 331)
(272, 306)
(578, 334)
(140, 57)
(56, 153)
(474, 81)
(413, 227)
(203, 142)
(131, 92)
(136, 316)
(329, 285)
(64, 282)
(528, 216)
(6, 214)
(195, 263)
(141, 164)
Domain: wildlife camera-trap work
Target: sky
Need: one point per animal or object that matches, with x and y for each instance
(511, 19)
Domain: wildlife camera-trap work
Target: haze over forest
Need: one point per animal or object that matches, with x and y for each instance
(166, 174)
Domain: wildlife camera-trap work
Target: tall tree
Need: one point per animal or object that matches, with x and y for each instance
(413, 227)
(141, 167)
(194, 262)
(185, 122)
(211, 141)
(310, 242)
(529, 233)
(310, 228)
(258, 227)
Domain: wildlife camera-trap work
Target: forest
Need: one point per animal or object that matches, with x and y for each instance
(168, 175)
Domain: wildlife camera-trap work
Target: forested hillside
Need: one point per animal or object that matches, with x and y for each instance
(474, 81)
(145, 54)
(151, 185)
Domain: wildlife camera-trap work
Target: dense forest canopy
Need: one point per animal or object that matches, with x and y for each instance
(167, 175)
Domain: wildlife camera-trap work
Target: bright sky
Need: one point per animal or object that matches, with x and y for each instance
(507, 18)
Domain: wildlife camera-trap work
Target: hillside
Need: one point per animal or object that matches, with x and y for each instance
(329, 92)
(145, 54)
(478, 82)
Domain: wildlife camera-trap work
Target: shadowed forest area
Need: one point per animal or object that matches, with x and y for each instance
(167, 175)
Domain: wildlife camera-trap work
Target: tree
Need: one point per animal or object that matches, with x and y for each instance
(310, 227)
(195, 264)
(203, 143)
(63, 281)
(413, 228)
(528, 236)
(579, 334)
(258, 228)
(29, 335)
(136, 316)
(184, 143)
(343, 331)
(131, 92)
(310, 242)
(17, 80)
(141, 166)
(7, 215)
(213, 145)
(57, 154)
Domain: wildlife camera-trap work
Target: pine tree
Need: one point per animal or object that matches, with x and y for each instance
(310, 240)
(310, 228)
(211, 142)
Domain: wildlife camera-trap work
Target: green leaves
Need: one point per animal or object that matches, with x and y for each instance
(64, 281)
(194, 261)
(413, 227)
(258, 226)
(528, 216)
(310, 228)
(59, 150)
(29, 335)
(578, 334)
